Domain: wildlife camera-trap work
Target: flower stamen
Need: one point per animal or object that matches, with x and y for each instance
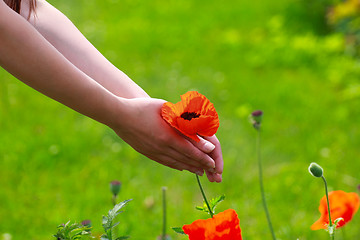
(189, 115)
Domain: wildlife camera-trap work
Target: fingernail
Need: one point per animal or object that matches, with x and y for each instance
(211, 165)
(212, 170)
(209, 147)
(220, 178)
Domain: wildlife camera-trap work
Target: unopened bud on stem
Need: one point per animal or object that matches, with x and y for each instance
(256, 118)
(316, 170)
(115, 187)
(86, 223)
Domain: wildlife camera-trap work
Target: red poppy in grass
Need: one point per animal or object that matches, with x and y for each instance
(222, 226)
(193, 115)
(342, 205)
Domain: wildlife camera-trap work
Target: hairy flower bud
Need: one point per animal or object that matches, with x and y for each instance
(256, 118)
(316, 170)
(115, 187)
(257, 115)
(86, 223)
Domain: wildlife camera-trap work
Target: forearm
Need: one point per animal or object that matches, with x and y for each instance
(70, 42)
(26, 54)
(29, 57)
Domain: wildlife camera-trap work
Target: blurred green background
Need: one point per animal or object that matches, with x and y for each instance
(278, 56)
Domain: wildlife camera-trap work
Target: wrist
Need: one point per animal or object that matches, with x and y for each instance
(114, 112)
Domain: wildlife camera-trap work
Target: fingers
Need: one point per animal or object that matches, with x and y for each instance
(214, 177)
(180, 157)
(213, 155)
(193, 161)
(203, 145)
(172, 163)
(194, 156)
(216, 154)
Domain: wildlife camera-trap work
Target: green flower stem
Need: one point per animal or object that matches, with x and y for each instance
(164, 213)
(114, 197)
(332, 234)
(262, 185)
(114, 200)
(109, 234)
(203, 194)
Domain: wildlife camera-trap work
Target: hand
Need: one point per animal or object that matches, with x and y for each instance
(142, 127)
(215, 153)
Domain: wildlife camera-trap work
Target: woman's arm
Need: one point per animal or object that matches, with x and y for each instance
(29, 57)
(57, 29)
(33, 60)
(69, 41)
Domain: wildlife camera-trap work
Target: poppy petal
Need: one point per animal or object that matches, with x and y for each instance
(193, 115)
(223, 226)
(342, 205)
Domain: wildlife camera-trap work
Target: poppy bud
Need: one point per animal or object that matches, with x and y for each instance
(316, 170)
(256, 117)
(86, 223)
(115, 187)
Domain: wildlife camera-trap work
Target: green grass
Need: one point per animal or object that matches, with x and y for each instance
(56, 165)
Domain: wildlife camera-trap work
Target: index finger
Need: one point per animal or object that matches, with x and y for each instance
(186, 148)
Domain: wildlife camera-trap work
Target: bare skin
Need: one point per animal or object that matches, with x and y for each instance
(60, 63)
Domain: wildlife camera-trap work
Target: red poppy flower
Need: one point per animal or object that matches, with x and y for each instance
(342, 205)
(222, 226)
(193, 115)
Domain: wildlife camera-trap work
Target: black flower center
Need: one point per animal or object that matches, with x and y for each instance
(189, 115)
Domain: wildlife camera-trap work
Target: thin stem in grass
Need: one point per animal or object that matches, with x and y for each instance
(317, 171)
(203, 194)
(113, 199)
(262, 184)
(163, 237)
(332, 235)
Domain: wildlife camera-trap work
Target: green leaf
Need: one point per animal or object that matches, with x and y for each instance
(200, 208)
(104, 237)
(122, 238)
(213, 204)
(215, 201)
(338, 220)
(107, 221)
(73, 231)
(178, 230)
(104, 220)
(117, 207)
(115, 224)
